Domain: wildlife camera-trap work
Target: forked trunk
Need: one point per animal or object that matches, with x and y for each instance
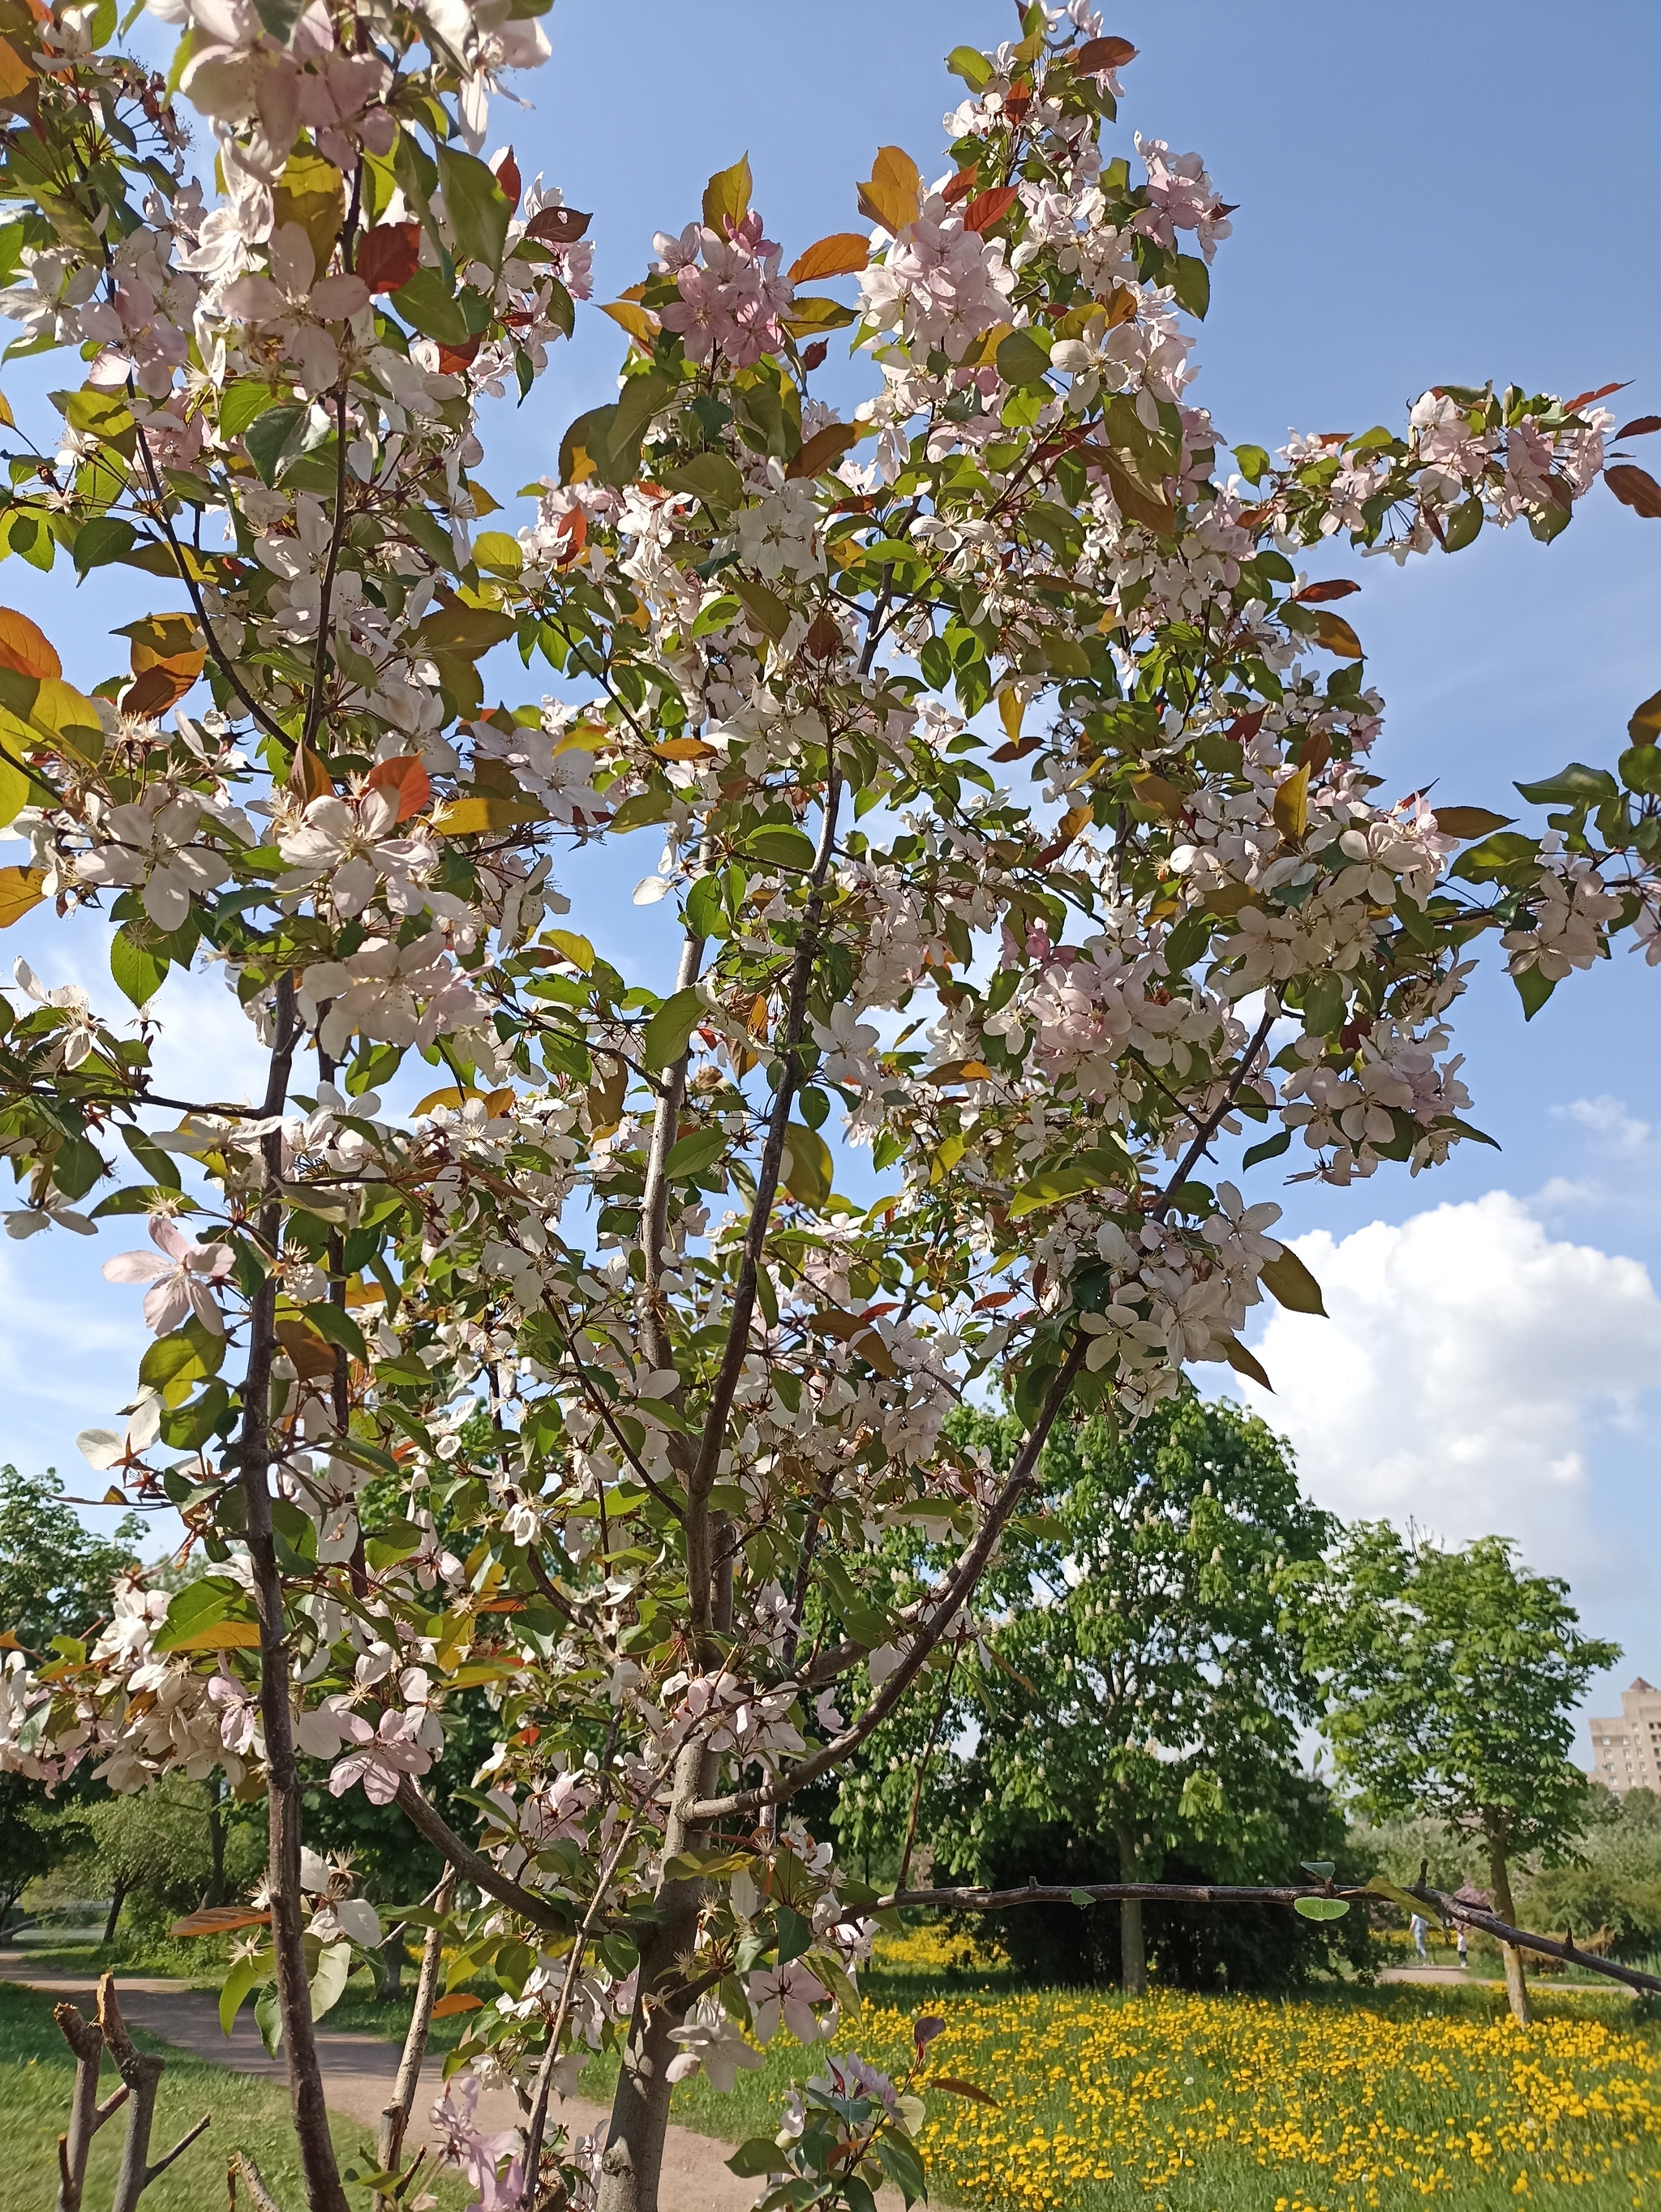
(1133, 1950)
(1493, 1829)
(633, 2158)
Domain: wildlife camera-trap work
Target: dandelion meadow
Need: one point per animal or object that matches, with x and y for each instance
(1340, 2102)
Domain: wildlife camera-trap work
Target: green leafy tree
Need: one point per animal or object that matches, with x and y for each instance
(55, 1573)
(1449, 1679)
(1151, 1695)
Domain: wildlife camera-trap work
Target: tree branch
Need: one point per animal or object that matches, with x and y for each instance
(426, 1819)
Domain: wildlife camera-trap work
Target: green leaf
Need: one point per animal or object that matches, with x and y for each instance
(1290, 1282)
(1271, 1148)
(137, 970)
(766, 609)
(266, 436)
(269, 2015)
(198, 1606)
(759, 2155)
(693, 1154)
(1533, 989)
(106, 537)
(243, 404)
(1321, 1908)
(1462, 525)
(1501, 856)
(807, 1165)
(1380, 1884)
(334, 1964)
(664, 1037)
(15, 791)
(1050, 1185)
(971, 65)
(431, 306)
(475, 207)
(245, 1975)
(1640, 768)
(336, 1326)
(712, 477)
(1192, 284)
(1252, 461)
(782, 847)
(727, 197)
(795, 1935)
(1323, 1869)
(1570, 786)
(1082, 1899)
(1022, 358)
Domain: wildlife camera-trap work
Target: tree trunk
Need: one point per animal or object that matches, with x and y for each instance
(391, 1955)
(633, 2157)
(324, 2193)
(117, 1901)
(1133, 1950)
(1493, 1828)
(215, 1892)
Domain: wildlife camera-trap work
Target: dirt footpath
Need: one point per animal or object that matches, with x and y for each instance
(359, 2072)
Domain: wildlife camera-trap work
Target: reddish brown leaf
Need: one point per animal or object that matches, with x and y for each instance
(452, 359)
(1338, 587)
(508, 177)
(950, 2082)
(1017, 100)
(1584, 399)
(823, 638)
(557, 226)
(814, 355)
(1639, 427)
(407, 779)
(1635, 488)
(389, 255)
(824, 449)
(308, 777)
(155, 691)
(987, 208)
(1098, 54)
(960, 186)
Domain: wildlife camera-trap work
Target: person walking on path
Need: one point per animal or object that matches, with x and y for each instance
(1419, 1925)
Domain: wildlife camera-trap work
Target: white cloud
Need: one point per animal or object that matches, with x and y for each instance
(1608, 1121)
(1467, 1366)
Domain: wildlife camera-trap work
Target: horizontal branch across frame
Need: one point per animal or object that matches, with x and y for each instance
(1173, 1893)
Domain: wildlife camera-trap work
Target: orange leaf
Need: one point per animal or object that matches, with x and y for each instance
(684, 749)
(892, 194)
(16, 73)
(960, 186)
(987, 208)
(159, 688)
(1334, 634)
(20, 891)
(407, 778)
(219, 1920)
(26, 648)
(640, 326)
(389, 255)
(458, 2000)
(843, 254)
(308, 777)
(452, 359)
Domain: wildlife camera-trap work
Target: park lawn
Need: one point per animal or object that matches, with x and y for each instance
(36, 2076)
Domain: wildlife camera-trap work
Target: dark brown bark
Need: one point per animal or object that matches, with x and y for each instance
(1133, 1947)
(1495, 1832)
(324, 2193)
(117, 1899)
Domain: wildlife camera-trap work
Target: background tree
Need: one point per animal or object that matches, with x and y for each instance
(56, 1576)
(1148, 1685)
(1449, 1682)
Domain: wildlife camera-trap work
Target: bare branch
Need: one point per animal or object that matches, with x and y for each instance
(428, 1821)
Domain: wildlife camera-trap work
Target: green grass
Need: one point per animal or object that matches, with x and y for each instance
(36, 2078)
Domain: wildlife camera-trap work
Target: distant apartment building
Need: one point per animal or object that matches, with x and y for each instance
(1626, 1754)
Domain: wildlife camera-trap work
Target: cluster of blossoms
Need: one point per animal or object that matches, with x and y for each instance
(567, 1388)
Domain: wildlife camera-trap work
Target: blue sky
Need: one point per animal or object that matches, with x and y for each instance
(1425, 194)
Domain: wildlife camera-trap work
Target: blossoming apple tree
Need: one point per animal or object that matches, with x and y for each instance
(560, 1370)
